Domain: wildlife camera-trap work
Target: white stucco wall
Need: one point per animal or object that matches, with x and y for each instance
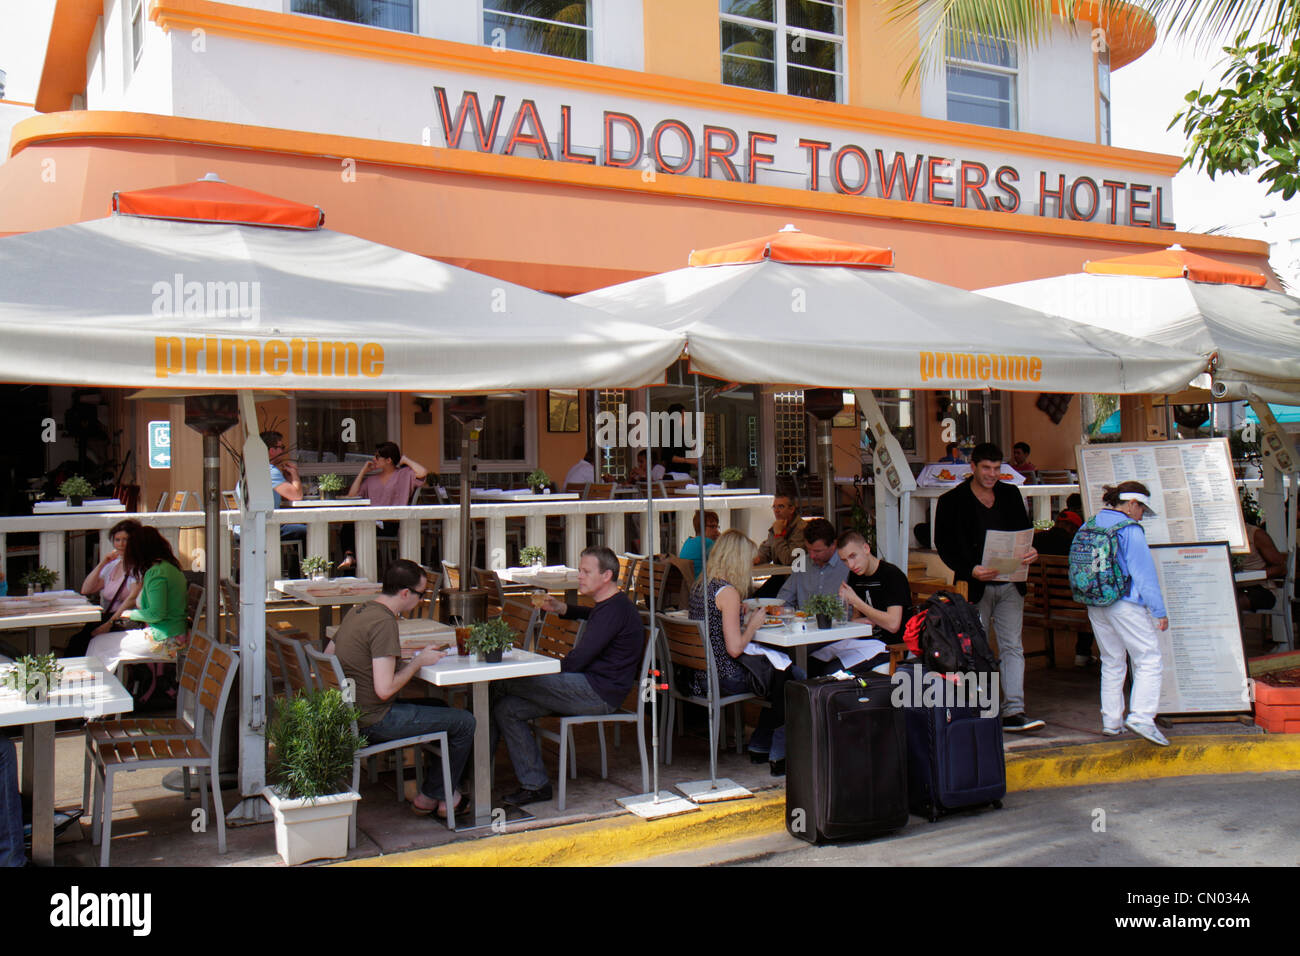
(114, 81)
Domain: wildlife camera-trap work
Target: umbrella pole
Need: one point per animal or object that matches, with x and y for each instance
(211, 528)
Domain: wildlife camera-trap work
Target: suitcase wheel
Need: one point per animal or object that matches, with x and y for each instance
(997, 804)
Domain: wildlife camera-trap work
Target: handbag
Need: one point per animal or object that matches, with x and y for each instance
(760, 672)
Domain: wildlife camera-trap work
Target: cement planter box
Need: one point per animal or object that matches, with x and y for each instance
(311, 830)
(1277, 709)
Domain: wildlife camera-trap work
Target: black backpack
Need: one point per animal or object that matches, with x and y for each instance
(952, 639)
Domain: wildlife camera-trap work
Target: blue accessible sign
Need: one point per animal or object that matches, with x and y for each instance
(160, 444)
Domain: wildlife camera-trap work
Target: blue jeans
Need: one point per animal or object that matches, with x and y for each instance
(410, 718)
(11, 807)
(769, 734)
(519, 701)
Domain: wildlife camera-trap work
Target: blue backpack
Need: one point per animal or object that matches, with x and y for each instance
(1096, 577)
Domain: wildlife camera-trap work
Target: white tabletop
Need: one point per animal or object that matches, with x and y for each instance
(45, 614)
(329, 502)
(329, 593)
(455, 669)
(514, 494)
(787, 636)
(550, 576)
(713, 491)
(89, 506)
(86, 690)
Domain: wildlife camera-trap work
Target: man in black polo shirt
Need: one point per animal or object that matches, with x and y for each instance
(979, 504)
(594, 678)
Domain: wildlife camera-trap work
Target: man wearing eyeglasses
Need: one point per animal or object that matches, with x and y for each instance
(369, 648)
(286, 485)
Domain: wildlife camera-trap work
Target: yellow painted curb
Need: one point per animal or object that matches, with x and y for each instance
(603, 842)
(627, 839)
(1128, 761)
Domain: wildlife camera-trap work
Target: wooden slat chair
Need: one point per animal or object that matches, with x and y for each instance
(627, 565)
(598, 490)
(201, 749)
(230, 612)
(1062, 610)
(189, 673)
(641, 587)
(330, 674)
(450, 576)
(686, 644)
(287, 661)
(522, 617)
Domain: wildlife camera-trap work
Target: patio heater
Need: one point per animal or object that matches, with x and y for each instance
(824, 404)
(466, 603)
(210, 416)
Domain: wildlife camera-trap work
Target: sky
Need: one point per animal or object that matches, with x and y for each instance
(1146, 95)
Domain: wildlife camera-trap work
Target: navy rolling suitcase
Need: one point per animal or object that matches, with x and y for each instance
(846, 759)
(954, 760)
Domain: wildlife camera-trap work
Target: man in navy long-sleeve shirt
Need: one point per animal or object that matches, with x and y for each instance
(594, 678)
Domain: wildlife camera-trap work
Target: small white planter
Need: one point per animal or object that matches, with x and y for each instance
(311, 830)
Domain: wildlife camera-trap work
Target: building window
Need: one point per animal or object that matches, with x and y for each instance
(791, 433)
(320, 423)
(612, 460)
(976, 415)
(786, 46)
(137, 31)
(553, 27)
(508, 439)
(1103, 94)
(389, 14)
(981, 80)
(898, 405)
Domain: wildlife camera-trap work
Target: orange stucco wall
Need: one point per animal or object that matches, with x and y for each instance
(682, 39)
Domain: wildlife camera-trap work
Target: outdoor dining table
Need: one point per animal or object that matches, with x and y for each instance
(555, 577)
(36, 614)
(86, 690)
(792, 637)
(522, 494)
(414, 634)
(327, 595)
(713, 491)
(329, 502)
(89, 506)
(456, 670)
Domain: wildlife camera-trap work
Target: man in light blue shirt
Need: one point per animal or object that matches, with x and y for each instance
(823, 571)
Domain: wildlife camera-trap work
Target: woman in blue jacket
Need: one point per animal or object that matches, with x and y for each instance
(1130, 625)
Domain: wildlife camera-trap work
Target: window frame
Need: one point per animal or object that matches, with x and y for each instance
(1104, 101)
(415, 19)
(591, 27)
(781, 65)
(135, 14)
(951, 61)
(527, 463)
(316, 468)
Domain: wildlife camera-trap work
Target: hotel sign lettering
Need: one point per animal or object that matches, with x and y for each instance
(818, 161)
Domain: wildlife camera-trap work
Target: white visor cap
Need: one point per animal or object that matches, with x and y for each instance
(1141, 499)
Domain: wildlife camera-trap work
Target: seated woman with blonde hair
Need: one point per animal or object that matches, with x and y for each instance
(729, 569)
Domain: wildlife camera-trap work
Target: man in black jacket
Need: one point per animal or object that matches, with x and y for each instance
(984, 503)
(594, 678)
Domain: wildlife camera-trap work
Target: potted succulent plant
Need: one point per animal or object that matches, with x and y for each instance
(313, 740)
(330, 485)
(33, 676)
(76, 489)
(538, 480)
(39, 579)
(533, 555)
(490, 638)
(826, 608)
(316, 567)
(731, 474)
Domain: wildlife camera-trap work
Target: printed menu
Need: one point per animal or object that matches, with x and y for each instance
(1192, 487)
(1204, 666)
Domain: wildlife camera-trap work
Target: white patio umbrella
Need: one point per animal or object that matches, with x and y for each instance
(216, 288)
(797, 309)
(1248, 333)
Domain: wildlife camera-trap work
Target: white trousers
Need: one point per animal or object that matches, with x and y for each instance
(1127, 628)
(114, 647)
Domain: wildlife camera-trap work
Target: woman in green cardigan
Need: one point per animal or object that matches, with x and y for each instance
(160, 607)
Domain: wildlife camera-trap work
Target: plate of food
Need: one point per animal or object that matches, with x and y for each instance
(754, 604)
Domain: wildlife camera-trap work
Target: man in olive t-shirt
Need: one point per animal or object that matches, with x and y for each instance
(369, 649)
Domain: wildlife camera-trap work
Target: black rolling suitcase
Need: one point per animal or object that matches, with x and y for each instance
(954, 760)
(846, 752)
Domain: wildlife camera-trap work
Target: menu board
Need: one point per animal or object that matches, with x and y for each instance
(1192, 485)
(1204, 666)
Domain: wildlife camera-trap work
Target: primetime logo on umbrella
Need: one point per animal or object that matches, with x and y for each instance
(208, 300)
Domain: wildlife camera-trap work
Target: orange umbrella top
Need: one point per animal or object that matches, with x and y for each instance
(212, 200)
(1177, 263)
(791, 245)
